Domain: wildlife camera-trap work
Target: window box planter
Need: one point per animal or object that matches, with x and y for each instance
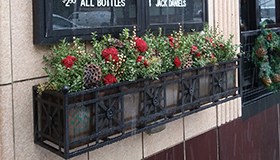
(70, 124)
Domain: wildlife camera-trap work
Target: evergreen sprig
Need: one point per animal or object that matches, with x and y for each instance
(131, 57)
(266, 56)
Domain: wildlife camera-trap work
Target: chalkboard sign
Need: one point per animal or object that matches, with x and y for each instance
(58, 19)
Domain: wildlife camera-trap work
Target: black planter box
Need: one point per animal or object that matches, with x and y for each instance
(70, 124)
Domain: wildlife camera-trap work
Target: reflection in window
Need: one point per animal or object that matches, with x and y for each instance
(88, 13)
(267, 9)
(60, 22)
(251, 17)
(175, 11)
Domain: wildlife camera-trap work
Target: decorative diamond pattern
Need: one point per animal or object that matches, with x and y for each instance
(190, 90)
(50, 118)
(154, 100)
(108, 114)
(219, 82)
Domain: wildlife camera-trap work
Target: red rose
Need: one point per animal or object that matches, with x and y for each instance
(198, 55)
(146, 64)
(194, 49)
(177, 62)
(141, 45)
(109, 79)
(171, 41)
(68, 62)
(110, 52)
(139, 58)
(212, 56)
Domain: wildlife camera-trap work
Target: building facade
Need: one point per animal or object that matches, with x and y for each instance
(21, 68)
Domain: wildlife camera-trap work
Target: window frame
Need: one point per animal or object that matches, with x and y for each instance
(277, 14)
(253, 15)
(43, 32)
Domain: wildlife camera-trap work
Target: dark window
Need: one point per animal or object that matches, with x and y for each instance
(60, 22)
(190, 13)
(92, 15)
(58, 19)
(253, 13)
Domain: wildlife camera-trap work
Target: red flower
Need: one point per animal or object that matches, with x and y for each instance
(198, 54)
(212, 56)
(141, 45)
(146, 64)
(68, 62)
(177, 62)
(194, 49)
(209, 39)
(109, 79)
(269, 37)
(139, 58)
(110, 52)
(171, 41)
(214, 45)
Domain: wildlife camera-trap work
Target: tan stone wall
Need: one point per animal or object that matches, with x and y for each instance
(5, 47)
(226, 17)
(21, 68)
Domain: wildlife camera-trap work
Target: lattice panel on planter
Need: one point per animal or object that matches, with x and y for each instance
(70, 124)
(190, 91)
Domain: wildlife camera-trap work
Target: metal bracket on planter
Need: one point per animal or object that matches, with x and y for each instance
(70, 124)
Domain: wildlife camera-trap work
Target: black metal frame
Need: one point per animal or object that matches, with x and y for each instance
(70, 124)
(44, 34)
(253, 88)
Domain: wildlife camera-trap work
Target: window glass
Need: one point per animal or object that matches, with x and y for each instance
(267, 11)
(58, 19)
(68, 14)
(175, 11)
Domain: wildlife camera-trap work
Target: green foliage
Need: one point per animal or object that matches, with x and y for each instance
(159, 47)
(213, 47)
(127, 59)
(266, 56)
(58, 74)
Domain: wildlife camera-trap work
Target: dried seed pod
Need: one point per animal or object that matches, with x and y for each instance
(92, 75)
(276, 78)
(261, 52)
(267, 81)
